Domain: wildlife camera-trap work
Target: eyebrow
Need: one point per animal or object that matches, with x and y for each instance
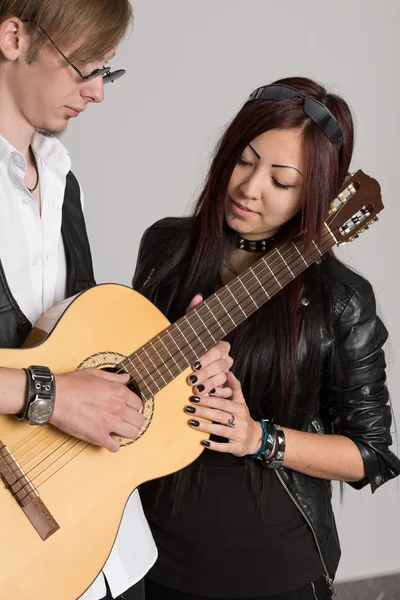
(287, 167)
(278, 166)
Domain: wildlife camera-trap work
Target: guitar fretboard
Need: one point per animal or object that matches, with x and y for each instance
(164, 357)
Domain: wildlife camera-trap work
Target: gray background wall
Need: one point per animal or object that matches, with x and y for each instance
(143, 154)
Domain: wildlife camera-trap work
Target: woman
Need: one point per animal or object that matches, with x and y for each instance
(252, 517)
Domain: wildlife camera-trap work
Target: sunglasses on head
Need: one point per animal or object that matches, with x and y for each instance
(315, 110)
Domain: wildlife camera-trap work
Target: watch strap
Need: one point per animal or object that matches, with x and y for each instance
(41, 393)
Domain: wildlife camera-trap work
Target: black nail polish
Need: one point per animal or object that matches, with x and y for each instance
(200, 388)
(194, 423)
(194, 399)
(206, 444)
(190, 409)
(197, 365)
(213, 391)
(193, 379)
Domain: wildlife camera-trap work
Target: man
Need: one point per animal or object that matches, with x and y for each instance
(52, 65)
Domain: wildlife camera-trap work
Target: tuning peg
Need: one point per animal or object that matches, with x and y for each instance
(371, 222)
(366, 227)
(376, 218)
(356, 235)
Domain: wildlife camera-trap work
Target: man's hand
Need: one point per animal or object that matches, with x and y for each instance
(93, 404)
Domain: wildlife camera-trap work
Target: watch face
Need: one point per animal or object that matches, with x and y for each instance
(40, 411)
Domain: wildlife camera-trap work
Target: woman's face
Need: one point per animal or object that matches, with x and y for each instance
(265, 188)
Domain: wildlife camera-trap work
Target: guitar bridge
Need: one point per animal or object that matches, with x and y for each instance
(26, 494)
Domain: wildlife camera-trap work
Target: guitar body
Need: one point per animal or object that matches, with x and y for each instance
(85, 488)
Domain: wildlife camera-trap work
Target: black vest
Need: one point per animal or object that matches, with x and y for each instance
(14, 326)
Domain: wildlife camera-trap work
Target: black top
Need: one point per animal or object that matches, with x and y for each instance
(357, 408)
(220, 545)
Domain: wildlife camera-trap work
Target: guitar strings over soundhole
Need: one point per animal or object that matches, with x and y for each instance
(111, 361)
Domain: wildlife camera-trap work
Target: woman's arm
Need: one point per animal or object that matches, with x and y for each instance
(323, 456)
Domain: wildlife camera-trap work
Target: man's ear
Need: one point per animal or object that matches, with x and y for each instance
(13, 38)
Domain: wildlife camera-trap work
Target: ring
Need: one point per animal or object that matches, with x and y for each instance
(231, 422)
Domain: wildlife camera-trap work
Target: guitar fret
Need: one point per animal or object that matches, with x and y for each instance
(318, 250)
(330, 232)
(290, 270)
(217, 297)
(273, 275)
(151, 378)
(248, 293)
(198, 337)
(177, 347)
(300, 254)
(161, 358)
(230, 291)
(154, 365)
(139, 377)
(261, 285)
(166, 347)
(205, 326)
(214, 317)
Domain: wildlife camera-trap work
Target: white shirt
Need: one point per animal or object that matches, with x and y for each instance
(33, 258)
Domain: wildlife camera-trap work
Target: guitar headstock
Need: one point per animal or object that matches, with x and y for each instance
(356, 207)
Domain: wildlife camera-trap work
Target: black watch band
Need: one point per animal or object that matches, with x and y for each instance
(41, 396)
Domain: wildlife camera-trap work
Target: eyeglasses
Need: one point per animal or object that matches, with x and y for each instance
(108, 75)
(318, 112)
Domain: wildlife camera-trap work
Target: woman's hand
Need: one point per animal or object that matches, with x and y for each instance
(228, 410)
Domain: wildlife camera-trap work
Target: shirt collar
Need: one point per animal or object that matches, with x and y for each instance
(5, 148)
(50, 150)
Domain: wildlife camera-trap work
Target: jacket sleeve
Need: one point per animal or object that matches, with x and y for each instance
(359, 405)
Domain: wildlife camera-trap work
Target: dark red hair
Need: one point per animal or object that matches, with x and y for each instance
(325, 167)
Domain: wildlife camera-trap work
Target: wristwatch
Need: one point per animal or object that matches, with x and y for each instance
(41, 397)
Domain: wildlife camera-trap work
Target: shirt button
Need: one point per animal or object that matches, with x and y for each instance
(34, 262)
(18, 160)
(25, 200)
(305, 301)
(378, 479)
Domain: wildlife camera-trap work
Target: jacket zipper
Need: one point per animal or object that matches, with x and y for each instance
(328, 578)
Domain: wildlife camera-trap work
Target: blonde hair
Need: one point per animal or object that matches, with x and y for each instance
(91, 27)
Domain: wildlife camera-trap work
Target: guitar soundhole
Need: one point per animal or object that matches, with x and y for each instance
(111, 361)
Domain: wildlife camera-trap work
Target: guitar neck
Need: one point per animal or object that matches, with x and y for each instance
(167, 355)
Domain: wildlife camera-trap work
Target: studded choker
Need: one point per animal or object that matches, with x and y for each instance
(254, 245)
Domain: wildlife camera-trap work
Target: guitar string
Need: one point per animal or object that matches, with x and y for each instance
(236, 310)
(260, 291)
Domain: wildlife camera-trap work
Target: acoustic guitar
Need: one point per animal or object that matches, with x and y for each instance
(62, 499)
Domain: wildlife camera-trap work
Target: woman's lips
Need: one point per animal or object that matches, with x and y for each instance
(241, 210)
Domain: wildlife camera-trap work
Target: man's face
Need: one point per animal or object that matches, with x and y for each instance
(48, 92)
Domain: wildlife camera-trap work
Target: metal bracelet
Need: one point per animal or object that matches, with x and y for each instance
(275, 459)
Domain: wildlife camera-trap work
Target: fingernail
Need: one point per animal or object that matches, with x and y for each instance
(194, 423)
(197, 365)
(195, 399)
(190, 409)
(212, 391)
(200, 388)
(193, 379)
(206, 444)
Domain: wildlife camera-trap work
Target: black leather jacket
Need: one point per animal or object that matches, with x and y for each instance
(359, 409)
